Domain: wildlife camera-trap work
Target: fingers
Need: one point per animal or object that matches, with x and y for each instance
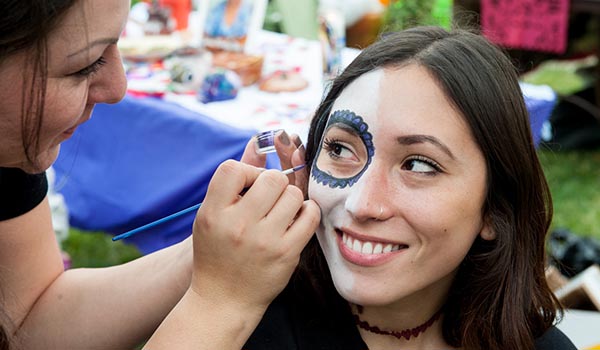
(286, 151)
(305, 224)
(284, 148)
(250, 155)
(286, 208)
(230, 179)
(262, 196)
(301, 176)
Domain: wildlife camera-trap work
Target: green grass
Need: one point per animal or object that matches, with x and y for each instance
(96, 249)
(574, 180)
(565, 77)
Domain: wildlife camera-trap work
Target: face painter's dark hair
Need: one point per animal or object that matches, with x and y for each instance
(500, 298)
(24, 27)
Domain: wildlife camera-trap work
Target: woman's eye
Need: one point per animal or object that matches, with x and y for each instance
(92, 68)
(338, 151)
(420, 165)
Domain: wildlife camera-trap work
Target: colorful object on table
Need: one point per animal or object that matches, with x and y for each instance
(185, 211)
(189, 66)
(284, 81)
(221, 85)
(179, 10)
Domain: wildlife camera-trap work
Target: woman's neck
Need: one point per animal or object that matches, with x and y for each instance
(421, 315)
(382, 329)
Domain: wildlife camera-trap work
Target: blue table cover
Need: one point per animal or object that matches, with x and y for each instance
(140, 160)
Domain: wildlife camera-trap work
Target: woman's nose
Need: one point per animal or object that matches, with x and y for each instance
(370, 197)
(109, 84)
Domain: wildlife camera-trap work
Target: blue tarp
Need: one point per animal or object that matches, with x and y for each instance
(140, 160)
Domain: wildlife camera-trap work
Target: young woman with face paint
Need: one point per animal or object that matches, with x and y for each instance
(434, 208)
(58, 58)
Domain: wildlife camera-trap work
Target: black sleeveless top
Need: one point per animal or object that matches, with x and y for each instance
(20, 192)
(294, 323)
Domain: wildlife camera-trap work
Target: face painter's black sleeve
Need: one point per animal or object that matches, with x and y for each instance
(20, 192)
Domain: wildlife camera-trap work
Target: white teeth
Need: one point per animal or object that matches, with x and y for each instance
(348, 242)
(368, 247)
(357, 246)
(378, 248)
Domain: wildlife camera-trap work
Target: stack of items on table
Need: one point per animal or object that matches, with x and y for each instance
(210, 62)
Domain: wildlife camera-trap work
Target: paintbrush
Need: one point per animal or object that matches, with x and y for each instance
(185, 211)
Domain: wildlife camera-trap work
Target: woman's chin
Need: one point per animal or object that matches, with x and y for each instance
(42, 162)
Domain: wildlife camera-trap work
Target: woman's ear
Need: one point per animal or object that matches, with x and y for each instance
(487, 232)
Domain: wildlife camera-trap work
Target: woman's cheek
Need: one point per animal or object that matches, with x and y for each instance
(329, 199)
(65, 104)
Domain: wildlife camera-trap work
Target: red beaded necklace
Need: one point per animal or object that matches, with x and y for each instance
(405, 333)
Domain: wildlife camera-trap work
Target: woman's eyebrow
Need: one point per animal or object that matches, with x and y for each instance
(413, 139)
(102, 41)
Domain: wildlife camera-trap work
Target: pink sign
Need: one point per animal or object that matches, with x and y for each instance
(536, 25)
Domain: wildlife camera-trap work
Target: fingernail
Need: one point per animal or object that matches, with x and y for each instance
(297, 141)
(283, 137)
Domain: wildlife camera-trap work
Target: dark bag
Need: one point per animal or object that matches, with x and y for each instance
(575, 123)
(571, 253)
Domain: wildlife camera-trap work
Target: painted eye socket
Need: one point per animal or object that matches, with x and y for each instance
(421, 165)
(343, 153)
(336, 150)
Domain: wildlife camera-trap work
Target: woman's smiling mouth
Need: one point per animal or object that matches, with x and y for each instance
(366, 251)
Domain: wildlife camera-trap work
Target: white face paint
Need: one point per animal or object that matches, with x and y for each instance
(401, 185)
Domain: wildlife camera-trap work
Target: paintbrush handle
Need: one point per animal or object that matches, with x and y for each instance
(157, 222)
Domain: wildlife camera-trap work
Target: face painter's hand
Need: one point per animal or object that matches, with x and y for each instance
(291, 154)
(251, 157)
(246, 247)
(298, 157)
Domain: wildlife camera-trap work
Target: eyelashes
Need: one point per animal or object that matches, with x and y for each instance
(422, 165)
(92, 68)
(336, 149)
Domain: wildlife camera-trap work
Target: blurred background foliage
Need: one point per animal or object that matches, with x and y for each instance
(408, 13)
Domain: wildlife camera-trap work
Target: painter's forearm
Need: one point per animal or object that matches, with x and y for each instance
(117, 307)
(201, 323)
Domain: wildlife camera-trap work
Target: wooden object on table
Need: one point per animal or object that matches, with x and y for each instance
(581, 291)
(248, 67)
(283, 81)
